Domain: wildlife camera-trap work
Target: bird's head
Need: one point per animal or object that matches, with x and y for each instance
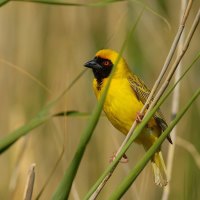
(103, 63)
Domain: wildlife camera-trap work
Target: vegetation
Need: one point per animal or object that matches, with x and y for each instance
(50, 117)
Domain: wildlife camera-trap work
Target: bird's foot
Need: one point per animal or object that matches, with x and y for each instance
(139, 117)
(124, 158)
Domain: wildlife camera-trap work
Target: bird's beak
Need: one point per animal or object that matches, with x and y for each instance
(92, 64)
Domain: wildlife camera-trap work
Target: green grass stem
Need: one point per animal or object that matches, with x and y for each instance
(127, 182)
(64, 187)
(135, 134)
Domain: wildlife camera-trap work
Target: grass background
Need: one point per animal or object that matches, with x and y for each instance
(52, 43)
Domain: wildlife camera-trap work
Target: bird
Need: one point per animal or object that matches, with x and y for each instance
(125, 98)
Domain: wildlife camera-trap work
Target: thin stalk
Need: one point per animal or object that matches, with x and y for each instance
(42, 116)
(163, 88)
(177, 61)
(64, 187)
(64, 3)
(164, 69)
(109, 170)
(98, 190)
(175, 107)
(30, 183)
(124, 186)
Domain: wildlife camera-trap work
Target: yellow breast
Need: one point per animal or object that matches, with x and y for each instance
(121, 104)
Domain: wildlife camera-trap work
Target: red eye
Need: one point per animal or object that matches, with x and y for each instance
(106, 63)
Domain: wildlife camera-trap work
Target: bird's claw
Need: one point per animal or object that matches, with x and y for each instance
(124, 158)
(139, 117)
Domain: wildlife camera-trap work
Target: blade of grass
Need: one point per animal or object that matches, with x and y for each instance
(108, 171)
(2, 2)
(149, 104)
(71, 113)
(11, 138)
(64, 187)
(64, 3)
(124, 186)
(42, 116)
(174, 110)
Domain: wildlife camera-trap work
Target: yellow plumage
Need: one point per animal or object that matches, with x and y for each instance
(125, 99)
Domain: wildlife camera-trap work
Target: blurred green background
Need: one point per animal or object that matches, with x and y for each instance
(51, 43)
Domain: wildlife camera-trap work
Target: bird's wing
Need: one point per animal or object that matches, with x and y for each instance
(142, 93)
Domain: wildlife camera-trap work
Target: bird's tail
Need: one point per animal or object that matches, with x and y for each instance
(159, 169)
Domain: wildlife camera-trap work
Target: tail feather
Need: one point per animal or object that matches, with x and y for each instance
(159, 169)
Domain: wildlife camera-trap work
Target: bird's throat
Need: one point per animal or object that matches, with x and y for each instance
(99, 84)
(100, 75)
(99, 78)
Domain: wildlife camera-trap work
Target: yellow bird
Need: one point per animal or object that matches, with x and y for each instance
(125, 98)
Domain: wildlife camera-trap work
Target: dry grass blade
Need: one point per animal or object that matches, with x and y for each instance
(30, 183)
(164, 69)
(175, 108)
(177, 61)
(127, 182)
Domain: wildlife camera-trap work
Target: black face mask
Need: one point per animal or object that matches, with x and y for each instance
(101, 67)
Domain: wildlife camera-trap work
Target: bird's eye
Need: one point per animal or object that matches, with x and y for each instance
(106, 63)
